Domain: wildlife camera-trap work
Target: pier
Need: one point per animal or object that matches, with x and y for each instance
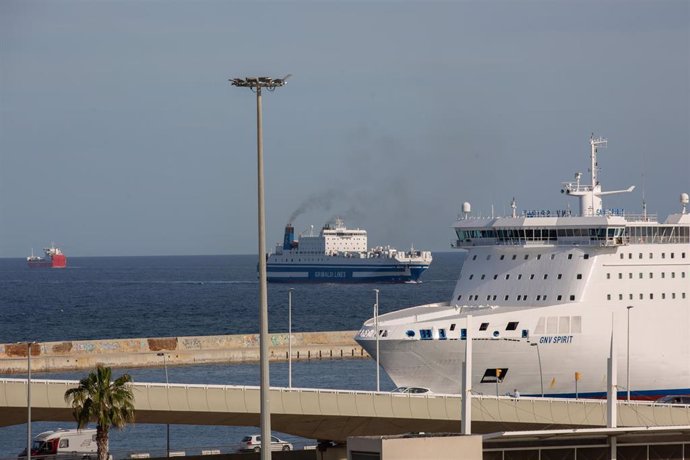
(146, 352)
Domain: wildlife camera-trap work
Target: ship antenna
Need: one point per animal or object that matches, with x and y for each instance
(644, 200)
(513, 205)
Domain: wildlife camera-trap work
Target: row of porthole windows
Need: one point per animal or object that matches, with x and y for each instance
(427, 334)
(520, 298)
(538, 257)
(519, 276)
(641, 275)
(640, 255)
(650, 296)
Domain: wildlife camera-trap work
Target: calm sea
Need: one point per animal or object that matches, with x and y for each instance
(119, 297)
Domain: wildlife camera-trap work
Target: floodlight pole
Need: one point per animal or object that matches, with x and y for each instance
(376, 332)
(627, 372)
(28, 400)
(256, 84)
(167, 392)
(290, 337)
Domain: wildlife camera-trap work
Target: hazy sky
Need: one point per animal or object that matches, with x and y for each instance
(120, 135)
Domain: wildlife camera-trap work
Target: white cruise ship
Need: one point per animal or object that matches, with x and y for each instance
(546, 291)
(339, 255)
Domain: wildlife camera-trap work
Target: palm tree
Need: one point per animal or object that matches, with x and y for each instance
(100, 400)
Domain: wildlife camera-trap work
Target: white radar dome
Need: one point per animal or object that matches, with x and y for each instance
(684, 199)
(467, 207)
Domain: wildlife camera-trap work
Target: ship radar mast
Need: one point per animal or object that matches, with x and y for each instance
(590, 195)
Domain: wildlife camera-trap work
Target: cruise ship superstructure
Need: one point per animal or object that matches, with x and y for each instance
(546, 292)
(338, 254)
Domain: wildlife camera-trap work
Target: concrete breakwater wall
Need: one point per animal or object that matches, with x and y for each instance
(85, 354)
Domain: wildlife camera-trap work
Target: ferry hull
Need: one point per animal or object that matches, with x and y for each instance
(344, 274)
(57, 261)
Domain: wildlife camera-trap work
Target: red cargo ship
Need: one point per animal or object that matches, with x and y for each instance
(54, 259)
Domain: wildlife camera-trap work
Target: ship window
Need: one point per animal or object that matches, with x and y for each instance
(520, 276)
(560, 275)
(553, 256)
(452, 327)
(496, 334)
(672, 255)
(570, 256)
(620, 276)
(673, 295)
(425, 334)
(531, 276)
(621, 255)
(483, 276)
(507, 275)
(474, 257)
(640, 256)
(630, 275)
(608, 296)
(673, 274)
(442, 334)
(651, 296)
(484, 326)
(630, 296)
(460, 297)
(682, 255)
(471, 276)
(494, 298)
(641, 275)
(488, 257)
(525, 333)
(503, 257)
(620, 296)
(512, 326)
(488, 297)
(494, 375)
(663, 255)
(538, 256)
(507, 297)
(608, 276)
(564, 325)
(64, 442)
(579, 276)
(586, 256)
(519, 298)
(663, 274)
(409, 333)
(651, 255)
(683, 295)
(559, 297)
(575, 324)
(538, 298)
(514, 256)
(540, 326)
(641, 296)
(495, 276)
(663, 295)
(544, 296)
(572, 297)
(651, 275)
(545, 276)
(463, 334)
(526, 256)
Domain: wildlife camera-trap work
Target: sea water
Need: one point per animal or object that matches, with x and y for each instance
(121, 297)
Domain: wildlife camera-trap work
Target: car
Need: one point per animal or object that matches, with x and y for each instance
(411, 390)
(253, 444)
(673, 399)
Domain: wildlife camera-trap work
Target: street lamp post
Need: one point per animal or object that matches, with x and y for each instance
(541, 375)
(28, 399)
(167, 392)
(627, 372)
(290, 337)
(257, 84)
(376, 334)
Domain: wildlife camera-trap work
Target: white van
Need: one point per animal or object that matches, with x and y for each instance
(64, 444)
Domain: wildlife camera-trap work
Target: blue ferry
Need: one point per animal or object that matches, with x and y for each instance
(339, 255)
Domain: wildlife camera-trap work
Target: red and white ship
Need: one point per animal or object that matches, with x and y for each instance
(54, 258)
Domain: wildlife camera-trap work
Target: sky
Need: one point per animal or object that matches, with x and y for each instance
(120, 134)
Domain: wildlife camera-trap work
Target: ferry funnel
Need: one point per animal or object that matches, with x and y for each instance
(289, 237)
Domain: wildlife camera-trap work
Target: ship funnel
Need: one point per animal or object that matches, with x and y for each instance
(289, 237)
